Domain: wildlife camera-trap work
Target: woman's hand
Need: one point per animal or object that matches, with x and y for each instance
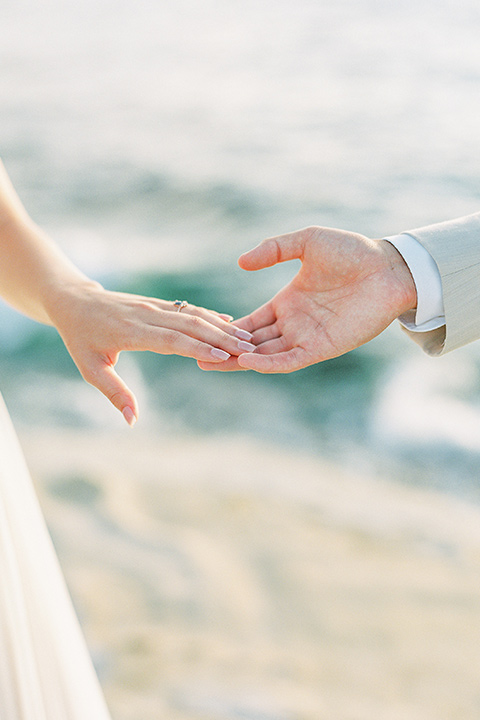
(97, 324)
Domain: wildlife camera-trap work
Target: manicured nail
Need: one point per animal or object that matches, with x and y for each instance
(219, 354)
(129, 416)
(243, 334)
(228, 318)
(246, 346)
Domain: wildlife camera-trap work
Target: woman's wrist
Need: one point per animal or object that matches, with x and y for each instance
(62, 295)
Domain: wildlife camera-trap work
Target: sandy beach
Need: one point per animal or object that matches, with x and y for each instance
(222, 579)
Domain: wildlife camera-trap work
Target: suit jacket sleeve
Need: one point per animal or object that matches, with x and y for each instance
(455, 247)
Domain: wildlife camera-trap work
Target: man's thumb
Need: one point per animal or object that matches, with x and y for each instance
(274, 250)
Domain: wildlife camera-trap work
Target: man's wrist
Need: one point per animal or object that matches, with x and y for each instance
(404, 282)
(429, 313)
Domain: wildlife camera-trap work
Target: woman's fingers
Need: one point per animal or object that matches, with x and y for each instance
(190, 338)
(260, 336)
(101, 324)
(223, 316)
(102, 375)
(188, 335)
(156, 310)
(221, 320)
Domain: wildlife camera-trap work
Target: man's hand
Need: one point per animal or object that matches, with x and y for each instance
(348, 290)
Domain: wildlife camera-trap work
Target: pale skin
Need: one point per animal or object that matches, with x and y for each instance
(347, 291)
(97, 324)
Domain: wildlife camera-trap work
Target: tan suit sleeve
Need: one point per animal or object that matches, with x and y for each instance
(455, 247)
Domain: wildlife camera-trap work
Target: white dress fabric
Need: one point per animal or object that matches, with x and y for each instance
(45, 669)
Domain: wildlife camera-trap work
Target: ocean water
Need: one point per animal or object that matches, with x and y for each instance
(155, 142)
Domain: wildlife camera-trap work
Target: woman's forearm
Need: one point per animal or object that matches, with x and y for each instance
(33, 270)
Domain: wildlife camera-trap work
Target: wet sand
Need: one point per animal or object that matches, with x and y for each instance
(218, 580)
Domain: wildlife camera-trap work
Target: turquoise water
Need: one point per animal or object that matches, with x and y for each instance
(157, 143)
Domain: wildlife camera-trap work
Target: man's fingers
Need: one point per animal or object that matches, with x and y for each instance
(264, 334)
(274, 346)
(277, 362)
(275, 250)
(262, 317)
(229, 365)
(282, 362)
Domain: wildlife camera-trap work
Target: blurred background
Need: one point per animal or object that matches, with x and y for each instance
(155, 142)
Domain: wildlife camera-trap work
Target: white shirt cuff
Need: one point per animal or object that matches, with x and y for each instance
(429, 314)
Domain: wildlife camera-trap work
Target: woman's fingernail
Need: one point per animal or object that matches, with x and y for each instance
(219, 354)
(129, 416)
(246, 346)
(228, 318)
(243, 334)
